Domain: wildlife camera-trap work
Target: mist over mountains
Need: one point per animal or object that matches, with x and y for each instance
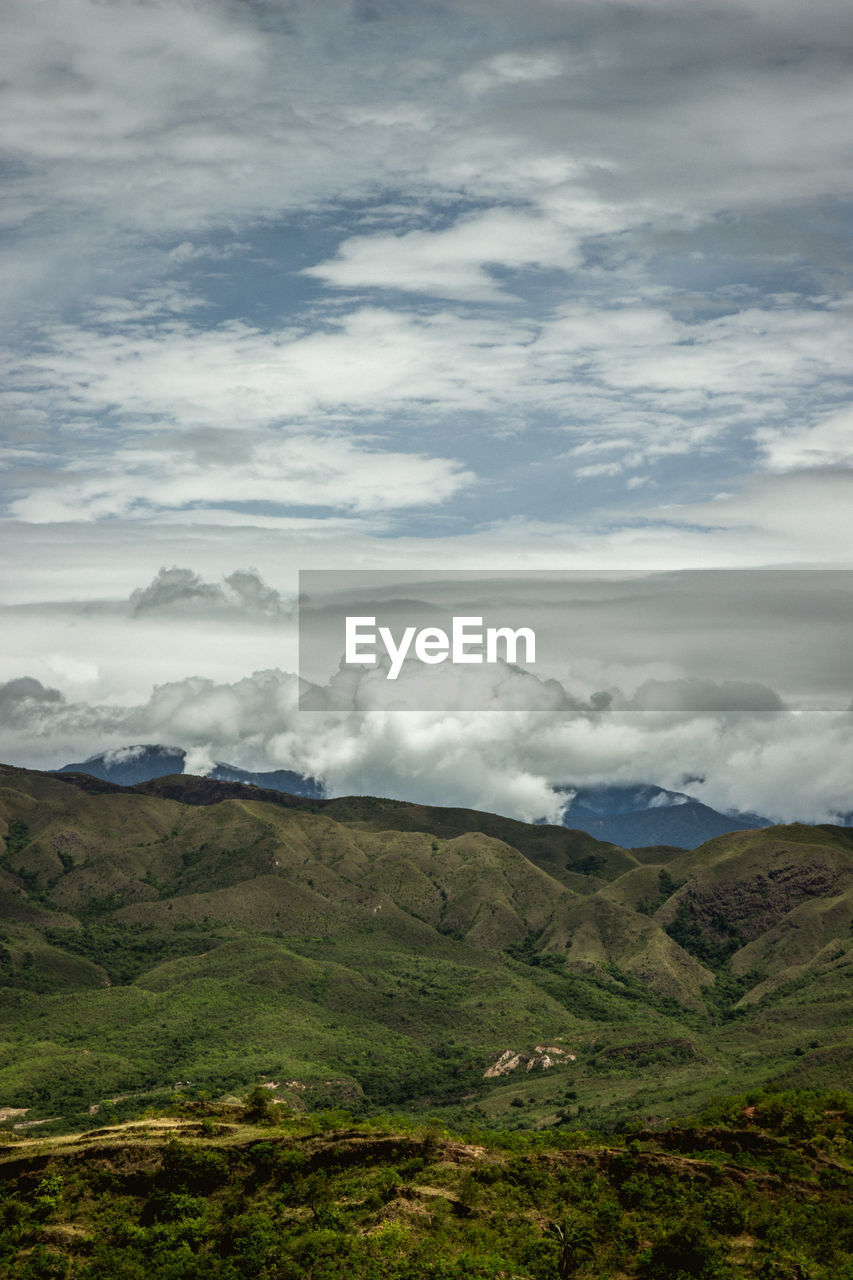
(129, 765)
(632, 816)
(635, 816)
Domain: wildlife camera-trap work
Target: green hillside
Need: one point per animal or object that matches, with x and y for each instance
(754, 1187)
(203, 938)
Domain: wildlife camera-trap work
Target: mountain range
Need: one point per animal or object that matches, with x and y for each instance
(393, 954)
(127, 766)
(644, 814)
(629, 815)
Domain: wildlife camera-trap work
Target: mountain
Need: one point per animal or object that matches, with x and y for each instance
(640, 815)
(295, 784)
(128, 766)
(389, 954)
(633, 816)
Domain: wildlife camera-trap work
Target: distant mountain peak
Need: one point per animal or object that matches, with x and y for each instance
(143, 762)
(607, 798)
(142, 751)
(129, 765)
(636, 815)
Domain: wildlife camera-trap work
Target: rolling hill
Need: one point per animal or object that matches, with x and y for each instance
(396, 955)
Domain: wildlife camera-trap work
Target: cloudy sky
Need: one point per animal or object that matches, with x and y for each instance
(403, 283)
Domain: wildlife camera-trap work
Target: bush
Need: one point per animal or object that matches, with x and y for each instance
(686, 1251)
(192, 1168)
(260, 1108)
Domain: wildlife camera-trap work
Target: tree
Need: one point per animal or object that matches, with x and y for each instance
(576, 1245)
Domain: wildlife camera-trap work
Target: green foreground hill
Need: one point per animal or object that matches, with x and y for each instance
(754, 1189)
(205, 937)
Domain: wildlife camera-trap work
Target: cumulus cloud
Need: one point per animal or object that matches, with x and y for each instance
(252, 593)
(452, 263)
(504, 687)
(21, 697)
(183, 589)
(828, 443)
(785, 765)
(482, 284)
(627, 182)
(174, 586)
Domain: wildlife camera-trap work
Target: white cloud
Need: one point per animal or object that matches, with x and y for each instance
(633, 216)
(373, 361)
(787, 766)
(296, 471)
(598, 469)
(828, 443)
(801, 516)
(183, 590)
(750, 361)
(72, 671)
(795, 519)
(513, 68)
(452, 263)
(243, 112)
(631, 373)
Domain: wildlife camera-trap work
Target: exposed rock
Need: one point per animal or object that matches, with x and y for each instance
(543, 1056)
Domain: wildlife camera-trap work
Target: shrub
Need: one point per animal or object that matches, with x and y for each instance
(685, 1251)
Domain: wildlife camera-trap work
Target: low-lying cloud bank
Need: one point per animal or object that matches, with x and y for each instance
(788, 765)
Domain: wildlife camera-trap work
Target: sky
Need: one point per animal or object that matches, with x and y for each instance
(403, 284)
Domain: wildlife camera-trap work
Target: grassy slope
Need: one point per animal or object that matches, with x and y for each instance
(752, 1188)
(399, 950)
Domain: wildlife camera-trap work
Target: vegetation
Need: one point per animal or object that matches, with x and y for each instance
(200, 941)
(666, 887)
(17, 837)
(713, 945)
(757, 1186)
